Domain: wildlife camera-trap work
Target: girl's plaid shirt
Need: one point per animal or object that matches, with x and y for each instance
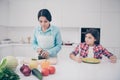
(98, 50)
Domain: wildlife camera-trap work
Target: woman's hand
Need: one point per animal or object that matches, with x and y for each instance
(44, 54)
(39, 50)
(113, 59)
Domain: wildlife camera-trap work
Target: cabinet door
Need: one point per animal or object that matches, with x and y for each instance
(4, 12)
(24, 51)
(6, 51)
(24, 12)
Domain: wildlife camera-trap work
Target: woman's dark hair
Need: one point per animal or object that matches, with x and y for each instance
(95, 33)
(45, 13)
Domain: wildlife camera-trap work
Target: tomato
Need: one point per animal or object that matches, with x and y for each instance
(45, 72)
(51, 69)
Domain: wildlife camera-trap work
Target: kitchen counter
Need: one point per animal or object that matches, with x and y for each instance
(67, 69)
(14, 44)
(23, 50)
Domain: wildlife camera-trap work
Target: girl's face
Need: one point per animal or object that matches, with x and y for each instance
(89, 39)
(44, 22)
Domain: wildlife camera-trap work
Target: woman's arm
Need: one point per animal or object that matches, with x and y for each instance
(34, 41)
(58, 42)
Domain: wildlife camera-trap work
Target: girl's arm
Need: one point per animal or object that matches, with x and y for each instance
(74, 53)
(112, 57)
(77, 59)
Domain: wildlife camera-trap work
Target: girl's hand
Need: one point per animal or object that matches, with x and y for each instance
(113, 59)
(78, 59)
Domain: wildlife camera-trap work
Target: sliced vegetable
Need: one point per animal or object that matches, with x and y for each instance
(91, 60)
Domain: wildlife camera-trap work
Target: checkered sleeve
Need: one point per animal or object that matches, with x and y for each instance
(76, 50)
(107, 53)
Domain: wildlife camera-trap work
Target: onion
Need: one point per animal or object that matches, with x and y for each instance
(25, 70)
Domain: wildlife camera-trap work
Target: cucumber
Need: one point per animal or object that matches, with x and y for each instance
(37, 73)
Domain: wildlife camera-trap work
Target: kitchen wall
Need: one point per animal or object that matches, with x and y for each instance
(3, 32)
(20, 16)
(110, 22)
(4, 12)
(21, 33)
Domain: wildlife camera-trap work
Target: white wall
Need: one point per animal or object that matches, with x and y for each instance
(18, 33)
(4, 12)
(24, 12)
(3, 32)
(72, 13)
(70, 34)
(110, 23)
(68, 15)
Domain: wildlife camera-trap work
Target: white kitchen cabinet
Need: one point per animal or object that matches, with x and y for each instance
(5, 50)
(24, 12)
(110, 22)
(4, 11)
(81, 13)
(75, 13)
(55, 7)
(24, 50)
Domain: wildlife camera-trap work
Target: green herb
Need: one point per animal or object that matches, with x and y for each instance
(8, 74)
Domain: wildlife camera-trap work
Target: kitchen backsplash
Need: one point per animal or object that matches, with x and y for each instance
(22, 34)
(3, 32)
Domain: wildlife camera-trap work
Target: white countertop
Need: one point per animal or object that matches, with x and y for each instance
(23, 44)
(11, 44)
(67, 69)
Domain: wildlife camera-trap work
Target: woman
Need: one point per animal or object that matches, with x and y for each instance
(91, 48)
(47, 38)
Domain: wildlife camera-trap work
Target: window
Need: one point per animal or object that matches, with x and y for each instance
(83, 31)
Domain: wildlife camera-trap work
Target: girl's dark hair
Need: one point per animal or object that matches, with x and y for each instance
(45, 13)
(95, 33)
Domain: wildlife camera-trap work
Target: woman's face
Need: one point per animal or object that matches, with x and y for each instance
(44, 22)
(89, 39)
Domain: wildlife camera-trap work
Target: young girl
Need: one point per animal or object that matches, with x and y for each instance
(91, 48)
